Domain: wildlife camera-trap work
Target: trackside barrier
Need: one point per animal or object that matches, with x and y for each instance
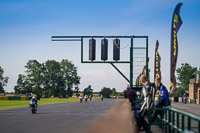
(23, 98)
(13, 98)
(3, 97)
(175, 121)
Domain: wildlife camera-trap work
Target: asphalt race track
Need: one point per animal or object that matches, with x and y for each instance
(70, 117)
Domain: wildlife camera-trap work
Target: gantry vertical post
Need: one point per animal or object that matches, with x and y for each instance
(147, 59)
(131, 63)
(81, 49)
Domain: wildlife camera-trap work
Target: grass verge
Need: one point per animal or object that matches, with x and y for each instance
(7, 104)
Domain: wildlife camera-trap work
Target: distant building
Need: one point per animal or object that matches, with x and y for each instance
(194, 88)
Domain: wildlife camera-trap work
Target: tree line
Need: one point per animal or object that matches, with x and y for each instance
(51, 78)
(58, 79)
(184, 74)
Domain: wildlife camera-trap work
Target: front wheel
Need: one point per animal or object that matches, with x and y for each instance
(33, 110)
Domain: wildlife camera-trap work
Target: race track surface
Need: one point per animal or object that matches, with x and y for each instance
(70, 117)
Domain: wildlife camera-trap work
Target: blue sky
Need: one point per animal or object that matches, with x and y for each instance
(26, 28)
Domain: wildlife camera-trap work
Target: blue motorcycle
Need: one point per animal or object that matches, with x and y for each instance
(33, 107)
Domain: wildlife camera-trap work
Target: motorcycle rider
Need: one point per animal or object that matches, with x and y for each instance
(81, 98)
(148, 94)
(90, 97)
(163, 100)
(86, 97)
(34, 100)
(101, 97)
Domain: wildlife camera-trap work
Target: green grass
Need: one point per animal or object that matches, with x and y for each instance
(7, 104)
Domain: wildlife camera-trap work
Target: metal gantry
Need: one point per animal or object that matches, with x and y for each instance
(130, 61)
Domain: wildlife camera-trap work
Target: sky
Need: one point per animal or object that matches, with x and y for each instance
(26, 28)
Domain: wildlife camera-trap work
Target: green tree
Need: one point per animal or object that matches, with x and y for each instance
(76, 90)
(121, 94)
(49, 78)
(20, 88)
(3, 80)
(88, 91)
(59, 78)
(185, 73)
(114, 92)
(69, 73)
(34, 77)
(106, 92)
(53, 81)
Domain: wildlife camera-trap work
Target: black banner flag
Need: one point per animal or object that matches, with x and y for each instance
(144, 70)
(157, 72)
(138, 80)
(176, 23)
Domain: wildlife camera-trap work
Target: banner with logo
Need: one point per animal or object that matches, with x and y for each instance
(176, 23)
(157, 72)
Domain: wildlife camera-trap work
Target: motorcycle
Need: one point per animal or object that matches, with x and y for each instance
(81, 100)
(33, 107)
